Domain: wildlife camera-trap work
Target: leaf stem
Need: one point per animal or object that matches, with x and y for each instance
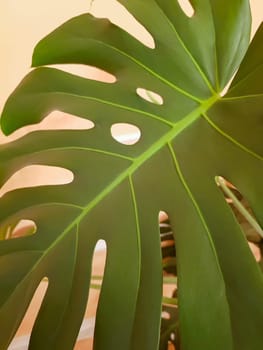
(170, 301)
(221, 182)
(95, 286)
(170, 280)
(97, 277)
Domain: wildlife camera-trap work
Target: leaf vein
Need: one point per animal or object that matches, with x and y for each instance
(194, 202)
(231, 139)
(189, 54)
(156, 75)
(242, 97)
(117, 105)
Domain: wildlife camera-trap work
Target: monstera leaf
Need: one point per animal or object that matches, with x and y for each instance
(118, 190)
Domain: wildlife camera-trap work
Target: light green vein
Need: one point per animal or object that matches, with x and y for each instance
(190, 55)
(216, 62)
(117, 105)
(198, 210)
(89, 149)
(242, 97)
(40, 205)
(76, 240)
(246, 77)
(159, 77)
(58, 204)
(34, 267)
(134, 202)
(231, 139)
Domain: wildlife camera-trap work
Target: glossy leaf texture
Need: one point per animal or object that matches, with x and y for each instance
(118, 190)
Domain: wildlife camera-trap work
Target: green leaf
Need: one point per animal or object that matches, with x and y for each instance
(118, 190)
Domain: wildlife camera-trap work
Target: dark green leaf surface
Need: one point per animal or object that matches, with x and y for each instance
(118, 190)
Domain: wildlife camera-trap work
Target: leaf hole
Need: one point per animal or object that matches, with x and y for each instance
(226, 88)
(21, 339)
(169, 316)
(167, 245)
(88, 72)
(97, 273)
(23, 228)
(56, 120)
(169, 264)
(125, 133)
(244, 215)
(37, 175)
(169, 335)
(121, 17)
(150, 96)
(187, 7)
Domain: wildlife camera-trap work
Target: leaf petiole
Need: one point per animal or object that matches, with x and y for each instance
(221, 182)
(170, 301)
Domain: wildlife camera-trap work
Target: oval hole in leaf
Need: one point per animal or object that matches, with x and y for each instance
(97, 273)
(21, 339)
(37, 175)
(85, 71)
(23, 228)
(125, 133)
(244, 215)
(150, 96)
(187, 7)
